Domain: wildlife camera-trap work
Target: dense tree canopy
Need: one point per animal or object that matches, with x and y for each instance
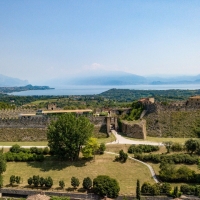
(67, 134)
(106, 186)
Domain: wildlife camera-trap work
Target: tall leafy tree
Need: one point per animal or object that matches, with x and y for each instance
(75, 182)
(67, 134)
(91, 147)
(192, 145)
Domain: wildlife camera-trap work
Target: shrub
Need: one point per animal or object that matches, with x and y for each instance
(48, 182)
(104, 185)
(15, 148)
(142, 148)
(30, 181)
(75, 182)
(122, 156)
(87, 183)
(12, 180)
(102, 148)
(62, 184)
(177, 147)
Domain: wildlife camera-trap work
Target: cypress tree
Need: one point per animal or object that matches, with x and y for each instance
(138, 193)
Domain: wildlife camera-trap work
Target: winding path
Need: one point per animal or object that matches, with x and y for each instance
(122, 140)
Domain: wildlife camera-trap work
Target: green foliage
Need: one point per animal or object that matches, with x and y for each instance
(62, 184)
(122, 156)
(48, 182)
(138, 193)
(75, 182)
(177, 147)
(15, 148)
(59, 198)
(175, 158)
(135, 113)
(156, 189)
(4, 106)
(190, 190)
(102, 148)
(36, 181)
(142, 148)
(192, 146)
(87, 183)
(2, 163)
(23, 157)
(40, 181)
(30, 181)
(1, 181)
(168, 145)
(169, 173)
(106, 186)
(67, 135)
(12, 180)
(90, 148)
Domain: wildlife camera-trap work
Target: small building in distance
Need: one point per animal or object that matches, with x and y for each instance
(147, 101)
(52, 106)
(193, 101)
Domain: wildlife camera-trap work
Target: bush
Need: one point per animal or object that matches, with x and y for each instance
(62, 184)
(48, 182)
(15, 148)
(142, 148)
(122, 156)
(177, 147)
(102, 148)
(87, 183)
(104, 185)
(75, 182)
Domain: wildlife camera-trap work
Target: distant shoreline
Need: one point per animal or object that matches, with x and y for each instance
(5, 90)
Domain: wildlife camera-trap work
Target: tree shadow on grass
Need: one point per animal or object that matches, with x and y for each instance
(51, 163)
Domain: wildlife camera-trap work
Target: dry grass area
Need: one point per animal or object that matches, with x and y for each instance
(126, 173)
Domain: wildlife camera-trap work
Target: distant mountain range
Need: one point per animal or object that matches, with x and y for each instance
(101, 77)
(121, 78)
(6, 81)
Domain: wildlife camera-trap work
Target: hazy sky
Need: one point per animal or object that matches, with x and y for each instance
(43, 39)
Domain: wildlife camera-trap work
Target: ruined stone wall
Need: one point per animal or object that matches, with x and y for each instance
(135, 129)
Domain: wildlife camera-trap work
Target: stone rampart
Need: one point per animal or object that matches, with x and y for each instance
(31, 122)
(135, 129)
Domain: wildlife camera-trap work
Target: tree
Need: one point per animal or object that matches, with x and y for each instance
(168, 145)
(48, 182)
(62, 184)
(12, 180)
(102, 148)
(17, 179)
(75, 182)
(192, 145)
(91, 147)
(122, 156)
(67, 134)
(36, 181)
(138, 194)
(15, 148)
(2, 163)
(106, 186)
(87, 183)
(1, 181)
(42, 181)
(30, 181)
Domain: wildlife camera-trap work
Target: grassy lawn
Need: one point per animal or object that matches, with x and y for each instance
(126, 173)
(161, 139)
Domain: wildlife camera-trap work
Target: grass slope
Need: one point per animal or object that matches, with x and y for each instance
(126, 173)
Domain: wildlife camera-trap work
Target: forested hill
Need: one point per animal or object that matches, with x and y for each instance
(23, 88)
(160, 95)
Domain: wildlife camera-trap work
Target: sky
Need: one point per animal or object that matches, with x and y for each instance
(47, 39)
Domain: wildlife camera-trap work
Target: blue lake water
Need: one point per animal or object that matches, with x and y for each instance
(90, 90)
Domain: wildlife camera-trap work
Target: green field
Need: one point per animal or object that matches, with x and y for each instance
(126, 173)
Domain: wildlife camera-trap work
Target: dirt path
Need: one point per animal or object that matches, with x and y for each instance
(122, 140)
